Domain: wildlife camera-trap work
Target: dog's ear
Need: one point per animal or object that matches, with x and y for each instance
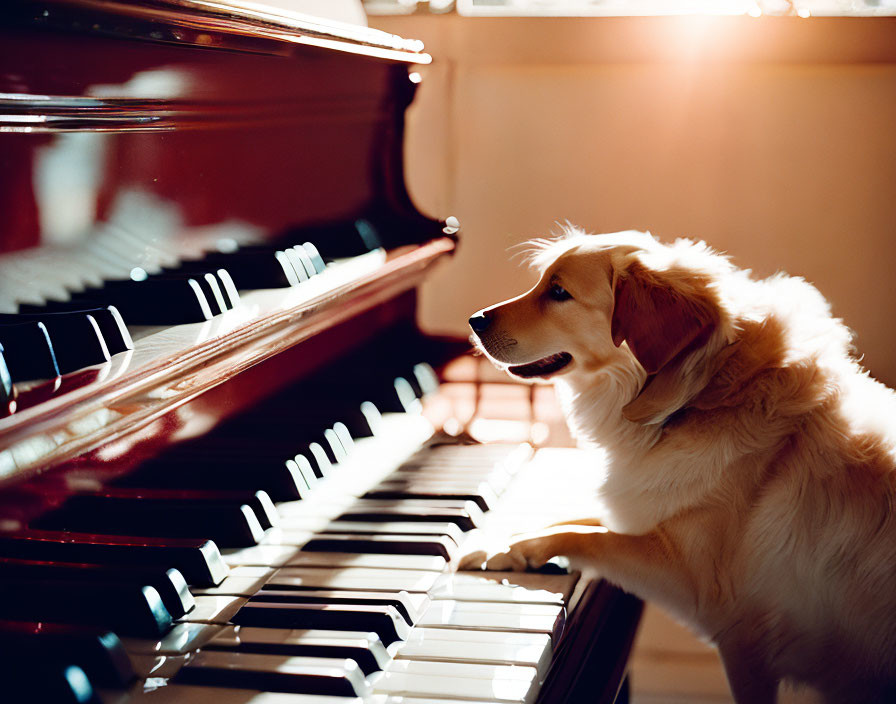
(659, 314)
(663, 316)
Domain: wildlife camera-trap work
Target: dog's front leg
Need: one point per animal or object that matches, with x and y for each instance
(532, 550)
(646, 565)
(749, 679)
(578, 522)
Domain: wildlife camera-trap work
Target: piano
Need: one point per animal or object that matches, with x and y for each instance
(232, 468)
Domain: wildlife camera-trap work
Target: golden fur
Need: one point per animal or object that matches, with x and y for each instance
(751, 462)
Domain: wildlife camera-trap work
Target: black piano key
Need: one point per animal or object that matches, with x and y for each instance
(96, 651)
(258, 500)
(228, 523)
(77, 339)
(214, 293)
(170, 583)
(385, 621)
(382, 544)
(28, 351)
(197, 559)
(401, 602)
(111, 324)
(338, 240)
(272, 673)
(152, 499)
(129, 609)
(481, 499)
(317, 458)
(228, 286)
(25, 679)
(217, 282)
(464, 518)
(398, 397)
(330, 446)
(113, 329)
(211, 287)
(283, 417)
(280, 480)
(153, 301)
(253, 267)
(264, 509)
(449, 530)
(365, 649)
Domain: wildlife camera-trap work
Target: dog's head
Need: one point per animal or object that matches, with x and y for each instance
(597, 292)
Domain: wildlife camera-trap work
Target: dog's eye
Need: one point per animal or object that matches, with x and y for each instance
(557, 293)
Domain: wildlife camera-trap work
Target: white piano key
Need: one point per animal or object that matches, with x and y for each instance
(162, 667)
(477, 671)
(214, 609)
(385, 620)
(508, 587)
(255, 667)
(387, 544)
(322, 510)
(430, 563)
(251, 636)
(504, 685)
(355, 578)
(493, 616)
(483, 647)
(441, 484)
(385, 505)
(241, 581)
(412, 605)
(180, 640)
(319, 525)
(496, 480)
(262, 555)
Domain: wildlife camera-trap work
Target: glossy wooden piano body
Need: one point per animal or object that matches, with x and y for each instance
(167, 130)
(136, 136)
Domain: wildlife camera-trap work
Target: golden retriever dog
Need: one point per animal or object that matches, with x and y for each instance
(751, 462)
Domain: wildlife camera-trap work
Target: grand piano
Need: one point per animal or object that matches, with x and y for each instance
(232, 469)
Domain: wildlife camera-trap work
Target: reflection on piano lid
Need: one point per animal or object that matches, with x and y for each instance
(202, 187)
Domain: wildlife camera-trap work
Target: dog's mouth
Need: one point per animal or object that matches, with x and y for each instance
(543, 367)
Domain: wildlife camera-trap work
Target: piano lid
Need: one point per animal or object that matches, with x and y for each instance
(222, 24)
(129, 142)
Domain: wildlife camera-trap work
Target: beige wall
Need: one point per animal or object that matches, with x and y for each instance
(786, 160)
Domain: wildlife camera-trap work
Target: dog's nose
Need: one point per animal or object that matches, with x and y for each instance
(479, 322)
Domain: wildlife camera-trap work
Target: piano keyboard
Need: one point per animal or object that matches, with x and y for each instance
(76, 307)
(340, 590)
(124, 388)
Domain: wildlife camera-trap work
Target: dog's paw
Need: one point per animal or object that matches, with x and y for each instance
(476, 550)
(507, 560)
(520, 554)
(472, 560)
